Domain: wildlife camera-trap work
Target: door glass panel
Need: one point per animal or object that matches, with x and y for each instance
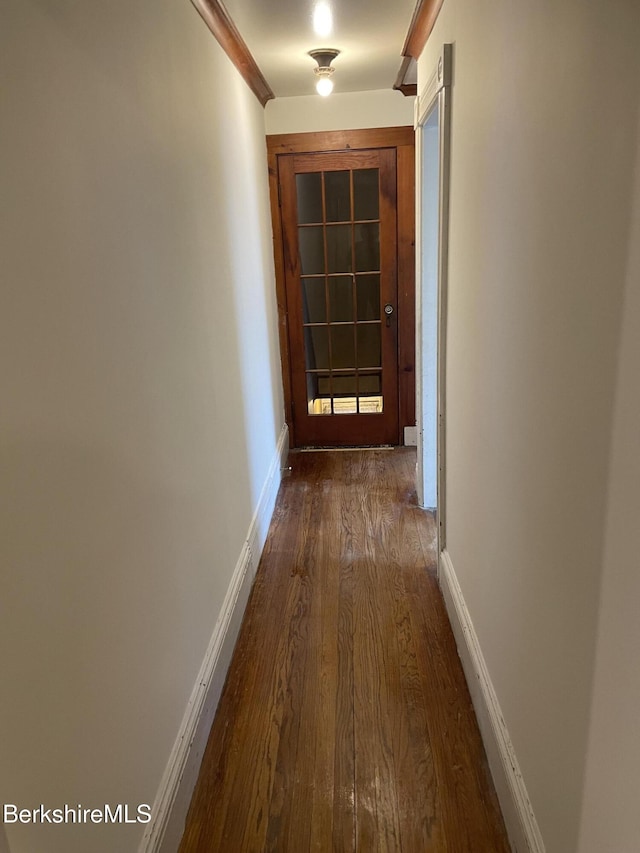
(365, 194)
(370, 404)
(324, 385)
(309, 192)
(370, 400)
(318, 394)
(339, 248)
(367, 240)
(369, 352)
(314, 303)
(370, 383)
(337, 192)
(343, 347)
(345, 400)
(311, 249)
(341, 298)
(345, 385)
(316, 346)
(368, 293)
(341, 291)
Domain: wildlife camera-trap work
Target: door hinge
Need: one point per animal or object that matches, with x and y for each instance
(293, 410)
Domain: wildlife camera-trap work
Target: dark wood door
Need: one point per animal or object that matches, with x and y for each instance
(340, 258)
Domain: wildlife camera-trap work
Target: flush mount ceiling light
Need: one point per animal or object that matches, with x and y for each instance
(324, 57)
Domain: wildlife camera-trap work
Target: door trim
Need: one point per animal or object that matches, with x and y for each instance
(436, 94)
(402, 139)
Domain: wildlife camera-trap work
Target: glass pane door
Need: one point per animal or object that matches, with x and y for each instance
(339, 227)
(339, 249)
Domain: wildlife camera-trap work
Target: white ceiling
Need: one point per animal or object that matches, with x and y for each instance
(369, 34)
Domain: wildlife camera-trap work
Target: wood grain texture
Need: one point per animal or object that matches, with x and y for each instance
(281, 292)
(357, 429)
(407, 89)
(345, 723)
(406, 285)
(402, 139)
(228, 37)
(421, 26)
(339, 140)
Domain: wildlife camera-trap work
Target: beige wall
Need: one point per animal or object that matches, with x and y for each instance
(543, 144)
(339, 111)
(141, 398)
(610, 813)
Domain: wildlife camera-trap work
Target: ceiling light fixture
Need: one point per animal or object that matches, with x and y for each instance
(324, 57)
(322, 19)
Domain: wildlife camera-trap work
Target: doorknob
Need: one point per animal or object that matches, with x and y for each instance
(388, 310)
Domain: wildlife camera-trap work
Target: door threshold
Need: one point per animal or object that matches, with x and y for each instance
(342, 449)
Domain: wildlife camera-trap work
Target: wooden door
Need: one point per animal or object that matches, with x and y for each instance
(340, 259)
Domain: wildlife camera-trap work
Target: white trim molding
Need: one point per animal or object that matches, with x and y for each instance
(519, 818)
(176, 787)
(441, 77)
(435, 96)
(259, 526)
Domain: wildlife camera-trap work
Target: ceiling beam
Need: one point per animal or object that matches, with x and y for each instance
(228, 36)
(407, 89)
(422, 23)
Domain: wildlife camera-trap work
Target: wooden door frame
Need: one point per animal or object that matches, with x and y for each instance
(402, 139)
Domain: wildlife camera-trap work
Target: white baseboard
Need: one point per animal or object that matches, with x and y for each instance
(259, 526)
(519, 818)
(180, 776)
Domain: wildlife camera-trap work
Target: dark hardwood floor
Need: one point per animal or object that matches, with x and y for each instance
(345, 723)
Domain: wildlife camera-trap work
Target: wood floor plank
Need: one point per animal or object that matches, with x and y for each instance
(416, 773)
(376, 676)
(345, 723)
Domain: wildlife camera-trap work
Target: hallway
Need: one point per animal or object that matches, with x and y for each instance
(345, 723)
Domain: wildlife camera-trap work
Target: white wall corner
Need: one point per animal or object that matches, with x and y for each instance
(181, 773)
(517, 811)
